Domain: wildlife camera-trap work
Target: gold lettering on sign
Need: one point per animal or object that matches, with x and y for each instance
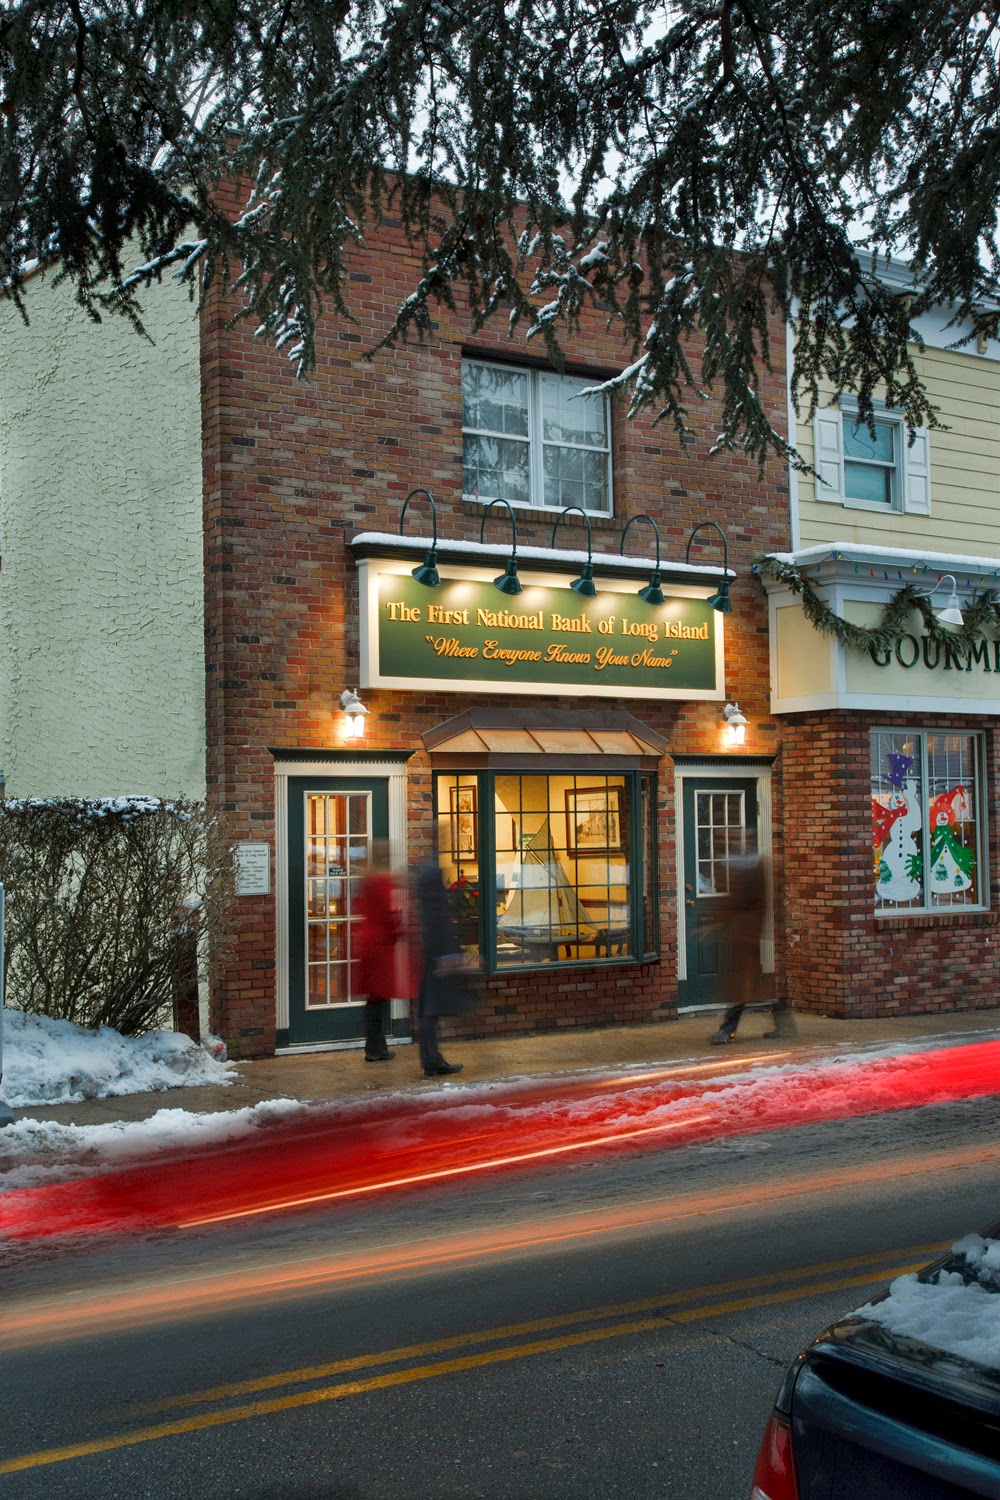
(438, 615)
(510, 655)
(607, 658)
(558, 652)
(448, 645)
(399, 611)
(502, 619)
(647, 659)
(648, 628)
(578, 623)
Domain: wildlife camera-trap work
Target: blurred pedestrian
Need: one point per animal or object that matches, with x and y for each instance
(375, 938)
(742, 916)
(444, 984)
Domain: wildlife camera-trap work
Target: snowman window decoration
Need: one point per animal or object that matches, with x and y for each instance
(897, 832)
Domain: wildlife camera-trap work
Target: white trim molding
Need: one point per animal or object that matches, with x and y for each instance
(721, 770)
(394, 772)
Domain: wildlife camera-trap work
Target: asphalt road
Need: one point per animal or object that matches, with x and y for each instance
(614, 1328)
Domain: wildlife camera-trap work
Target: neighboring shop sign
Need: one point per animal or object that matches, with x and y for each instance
(467, 636)
(811, 672)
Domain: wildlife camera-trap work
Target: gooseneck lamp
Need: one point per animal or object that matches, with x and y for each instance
(585, 583)
(952, 612)
(652, 593)
(508, 582)
(427, 572)
(720, 599)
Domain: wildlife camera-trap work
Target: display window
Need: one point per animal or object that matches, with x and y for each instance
(927, 821)
(550, 869)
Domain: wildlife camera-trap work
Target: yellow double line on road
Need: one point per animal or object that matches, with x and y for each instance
(518, 1341)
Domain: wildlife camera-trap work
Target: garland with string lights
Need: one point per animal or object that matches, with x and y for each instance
(983, 611)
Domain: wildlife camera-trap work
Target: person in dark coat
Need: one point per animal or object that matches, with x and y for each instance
(743, 912)
(444, 984)
(375, 943)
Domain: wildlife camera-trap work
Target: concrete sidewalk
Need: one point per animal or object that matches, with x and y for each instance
(345, 1074)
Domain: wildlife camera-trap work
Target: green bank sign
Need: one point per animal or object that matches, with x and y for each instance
(467, 636)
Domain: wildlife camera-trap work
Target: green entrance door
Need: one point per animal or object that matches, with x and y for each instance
(331, 825)
(718, 815)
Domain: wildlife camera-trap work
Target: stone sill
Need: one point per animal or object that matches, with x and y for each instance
(899, 923)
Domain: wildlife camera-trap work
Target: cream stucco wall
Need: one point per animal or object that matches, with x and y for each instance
(965, 466)
(102, 667)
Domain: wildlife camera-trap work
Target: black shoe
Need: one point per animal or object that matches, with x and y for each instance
(721, 1037)
(385, 1056)
(441, 1068)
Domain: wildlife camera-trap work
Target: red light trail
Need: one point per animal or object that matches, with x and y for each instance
(337, 1153)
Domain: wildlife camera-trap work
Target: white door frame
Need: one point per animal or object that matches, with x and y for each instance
(394, 772)
(724, 771)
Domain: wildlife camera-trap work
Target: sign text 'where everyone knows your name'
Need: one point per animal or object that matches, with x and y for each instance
(550, 635)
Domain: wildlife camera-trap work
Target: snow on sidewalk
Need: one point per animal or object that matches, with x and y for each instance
(56, 1062)
(36, 1152)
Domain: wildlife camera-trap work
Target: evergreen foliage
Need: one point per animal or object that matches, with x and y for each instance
(684, 167)
(981, 614)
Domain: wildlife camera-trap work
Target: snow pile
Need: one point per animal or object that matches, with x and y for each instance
(37, 1152)
(55, 1062)
(958, 1317)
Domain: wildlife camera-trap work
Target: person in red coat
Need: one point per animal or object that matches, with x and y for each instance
(375, 938)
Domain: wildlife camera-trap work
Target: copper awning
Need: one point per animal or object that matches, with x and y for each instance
(508, 738)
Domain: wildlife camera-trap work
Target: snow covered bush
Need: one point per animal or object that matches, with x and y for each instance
(111, 906)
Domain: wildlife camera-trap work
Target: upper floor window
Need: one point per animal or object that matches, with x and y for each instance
(871, 468)
(871, 462)
(530, 437)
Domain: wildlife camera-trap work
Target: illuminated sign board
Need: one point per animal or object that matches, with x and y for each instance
(465, 636)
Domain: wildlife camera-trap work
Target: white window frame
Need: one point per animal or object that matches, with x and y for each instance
(911, 489)
(928, 908)
(537, 443)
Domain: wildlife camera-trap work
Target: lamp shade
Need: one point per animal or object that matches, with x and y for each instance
(952, 612)
(427, 573)
(585, 584)
(720, 599)
(652, 593)
(508, 582)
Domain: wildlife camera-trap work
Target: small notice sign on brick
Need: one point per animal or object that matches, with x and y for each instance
(253, 869)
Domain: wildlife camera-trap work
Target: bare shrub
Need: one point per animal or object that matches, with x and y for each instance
(106, 903)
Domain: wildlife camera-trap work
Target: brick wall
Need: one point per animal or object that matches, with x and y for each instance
(293, 470)
(842, 960)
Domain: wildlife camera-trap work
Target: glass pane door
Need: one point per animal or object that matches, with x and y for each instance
(331, 825)
(338, 837)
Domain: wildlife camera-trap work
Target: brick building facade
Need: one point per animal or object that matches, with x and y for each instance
(293, 473)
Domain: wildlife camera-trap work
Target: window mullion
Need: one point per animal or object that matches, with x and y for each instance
(488, 871)
(536, 468)
(925, 807)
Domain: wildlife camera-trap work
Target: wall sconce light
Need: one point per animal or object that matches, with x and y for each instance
(720, 599)
(652, 593)
(427, 572)
(735, 723)
(952, 612)
(355, 713)
(508, 582)
(585, 583)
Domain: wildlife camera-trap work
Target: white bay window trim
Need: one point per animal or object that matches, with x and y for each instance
(912, 475)
(537, 443)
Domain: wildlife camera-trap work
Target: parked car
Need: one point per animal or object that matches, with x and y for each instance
(887, 1404)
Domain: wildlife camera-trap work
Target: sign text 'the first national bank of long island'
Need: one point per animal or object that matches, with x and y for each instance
(464, 635)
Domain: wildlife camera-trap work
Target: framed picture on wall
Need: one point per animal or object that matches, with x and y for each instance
(463, 822)
(595, 820)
